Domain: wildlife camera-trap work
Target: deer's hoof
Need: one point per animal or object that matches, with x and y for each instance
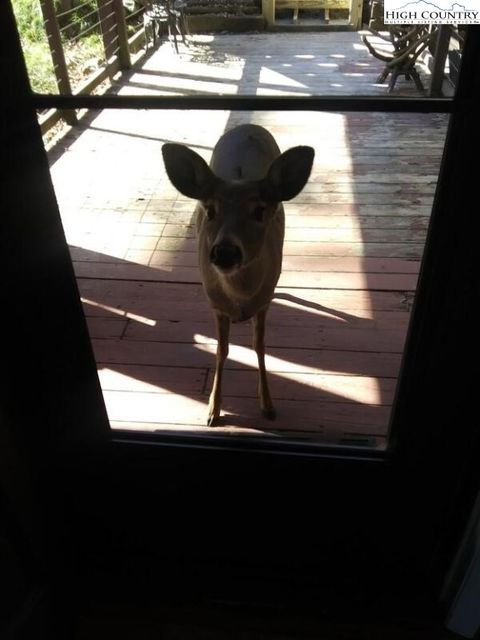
(212, 420)
(270, 414)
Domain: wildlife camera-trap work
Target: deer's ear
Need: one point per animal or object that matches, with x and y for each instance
(188, 172)
(289, 173)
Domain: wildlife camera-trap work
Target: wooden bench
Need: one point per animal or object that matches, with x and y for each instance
(296, 5)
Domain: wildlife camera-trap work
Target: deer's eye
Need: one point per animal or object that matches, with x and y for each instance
(258, 213)
(210, 211)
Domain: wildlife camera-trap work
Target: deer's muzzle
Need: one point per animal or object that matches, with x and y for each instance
(225, 255)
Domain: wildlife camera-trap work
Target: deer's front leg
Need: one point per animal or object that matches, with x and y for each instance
(266, 403)
(223, 330)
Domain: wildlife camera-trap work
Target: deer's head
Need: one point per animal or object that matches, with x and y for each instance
(235, 215)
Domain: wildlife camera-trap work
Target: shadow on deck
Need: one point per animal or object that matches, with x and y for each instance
(354, 242)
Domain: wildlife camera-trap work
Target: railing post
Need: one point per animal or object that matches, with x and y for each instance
(439, 59)
(108, 26)
(356, 11)
(58, 56)
(123, 48)
(268, 10)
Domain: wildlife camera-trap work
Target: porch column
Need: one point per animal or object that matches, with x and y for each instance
(268, 10)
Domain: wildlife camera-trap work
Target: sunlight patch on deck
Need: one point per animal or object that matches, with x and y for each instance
(269, 76)
(119, 312)
(167, 83)
(322, 379)
(292, 304)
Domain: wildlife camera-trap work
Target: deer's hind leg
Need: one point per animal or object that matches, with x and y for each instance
(223, 330)
(266, 403)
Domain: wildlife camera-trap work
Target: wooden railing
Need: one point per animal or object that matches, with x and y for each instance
(109, 20)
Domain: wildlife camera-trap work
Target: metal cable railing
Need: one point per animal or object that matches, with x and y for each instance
(80, 46)
(61, 14)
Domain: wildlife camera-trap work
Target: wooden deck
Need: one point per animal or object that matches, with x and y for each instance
(354, 241)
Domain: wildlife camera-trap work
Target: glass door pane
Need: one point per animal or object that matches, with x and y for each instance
(354, 240)
(337, 324)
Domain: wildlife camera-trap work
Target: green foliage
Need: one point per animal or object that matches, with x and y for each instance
(84, 57)
(40, 67)
(80, 51)
(29, 20)
(83, 18)
(35, 45)
(92, 46)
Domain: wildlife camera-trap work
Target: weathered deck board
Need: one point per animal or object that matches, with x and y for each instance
(289, 277)
(406, 250)
(144, 298)
(387, 339)
(180, 354)
(354, 240)
(146, 407)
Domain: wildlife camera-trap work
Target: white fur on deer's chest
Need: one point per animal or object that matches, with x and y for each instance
(239, 295)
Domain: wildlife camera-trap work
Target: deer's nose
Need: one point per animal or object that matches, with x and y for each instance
(225, 255)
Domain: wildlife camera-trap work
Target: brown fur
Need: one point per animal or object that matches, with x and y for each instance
(240, 215)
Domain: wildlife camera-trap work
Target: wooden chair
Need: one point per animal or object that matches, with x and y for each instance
(165, 12)
(409, 42)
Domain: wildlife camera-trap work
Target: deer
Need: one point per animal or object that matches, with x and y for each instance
(240, 228)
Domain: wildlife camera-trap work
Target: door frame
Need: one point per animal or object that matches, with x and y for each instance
(389, 521)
